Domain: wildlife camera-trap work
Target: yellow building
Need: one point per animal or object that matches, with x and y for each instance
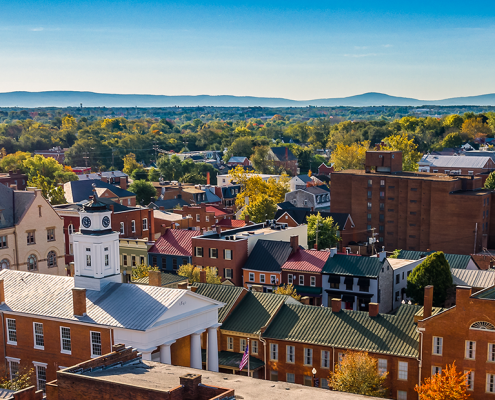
(31, 233)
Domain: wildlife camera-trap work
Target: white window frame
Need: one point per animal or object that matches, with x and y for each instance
(290, 279)
(38, 335)
(10, 361)
(133, 226)
(69, 340)
(228, 273)
(469, 380)
(301, 280)
(290, 377)
(93, 355)
(211, 252)
(435, 369)
(382, 366)
(401, 395)
(312, 281)
(14, 331)
(71, 229)
(242, 345)
(273, 279)
(262, 278)
(470, 354)
(198, 217)
(273, 352)
(145, 224)
(230, 343)
(491, 352)
(37, 366)
(403, 369)
(207, 218)
(290, 354)
(325, 359)
(490, 383)
(308, 356)
(251, 277)
(254, 347)
(122, 228)
(196, 252)
(228, 254)
(437, 346)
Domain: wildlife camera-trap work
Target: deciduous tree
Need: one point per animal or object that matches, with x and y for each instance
(192, 273)
(23, 380)
(447, 385)
(410, 156)
(349, 157)
(142, 271)
(130, 164)
(452, 140)
(143, 190)
(288, 290)
(327, 231)
(490, 181)
(473, 126)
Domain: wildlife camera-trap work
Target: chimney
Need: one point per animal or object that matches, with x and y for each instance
(294, 243)
(462, 295)
(79, 301)
(208, 178)
(2, 292)
(111, 207)
(333, 251)
(428, 302)
(246, 219)
(194, 289)
(155, 278)
(305, 300)
(219, 230)
(202, 276)
(123, 182)
(151, 225)
(382, 255)
(374, 309)
(491, 264)
(104, 179)
(183, 286)
(336, 305)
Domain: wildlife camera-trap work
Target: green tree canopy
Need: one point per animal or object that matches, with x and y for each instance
(193, 274)
(260, 209)
(452, 140)
(51, 170)
(490, 181)
(434, 270)
(327, 231)
(143, 190)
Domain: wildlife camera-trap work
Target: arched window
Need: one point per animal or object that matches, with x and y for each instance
(51, 259)
(32, 263)
(71, 229)
(5, 264)
(483, 326)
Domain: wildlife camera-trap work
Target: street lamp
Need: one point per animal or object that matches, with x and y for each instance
(314, 376)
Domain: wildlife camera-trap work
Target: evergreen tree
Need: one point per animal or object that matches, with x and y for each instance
(490, 181)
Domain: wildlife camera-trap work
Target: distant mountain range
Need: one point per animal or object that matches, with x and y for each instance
(90, 99)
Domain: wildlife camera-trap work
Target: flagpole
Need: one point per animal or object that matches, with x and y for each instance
(249, 350)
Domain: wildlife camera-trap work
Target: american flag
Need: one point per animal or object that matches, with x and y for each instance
(244, 360)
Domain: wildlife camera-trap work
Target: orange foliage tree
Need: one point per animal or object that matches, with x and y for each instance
(447, 385)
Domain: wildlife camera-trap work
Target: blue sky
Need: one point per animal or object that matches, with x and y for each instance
(426, 50)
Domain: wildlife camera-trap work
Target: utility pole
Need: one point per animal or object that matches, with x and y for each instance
(113, 165)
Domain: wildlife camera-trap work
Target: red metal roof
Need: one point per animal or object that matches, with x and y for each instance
(307, 260)
(176, 242)
(234, 223)
(215, 210)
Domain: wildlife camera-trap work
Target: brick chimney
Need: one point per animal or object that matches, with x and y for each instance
(182, 285)
(462, 295)
(104, 179)
(111, 207)
(428, 302)
(247, 219)
(336, 305)
(194, 289)
(190, 383)
(155, 278)
(294, 243)
(2, 292)
(219, 230)
(305, 300)
(374, 309)
(79, 301)
(123, 182)
(202, 276)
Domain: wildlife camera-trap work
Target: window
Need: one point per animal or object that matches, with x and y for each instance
(124, 259)
(242, 345)
(51, 259)
(308, 381)
(184, 261)
(290, 354)
(251, 276)
(382, 182)
(397, 278)
(262, 278)
(39, 211)
(207, 218)
(198, 251)
(32, 263)
(382, 206)
(133, 226)
(273, 279)
(413, 201)
(274, 376)
(290, 279)
(435, 170)
(301, 280)
(308, 356)
(13, 367)
(324, 383)
(413, 213)
(128, 202)
(291, 378)
(470, 350)
(228, 273)
(437, 345)
(436, 370)
(145, 224)
(11, 331)
(312, 281)
(273, 352)
(325, 359)
(40, 375)
(122, 231)
(65, 340)
(369, 194)
(491, 352)
(381, 228)
(213, 253)
(368, 227)
(397, 296)
(50, 235)
(198, 218)
(95, 344)
(382, 195)
(369, 217)
(30, 237)
(230, 343)
(401, 395)
(254, 347)
(369, 205)
(164, 263)
(3, 242)
(490, 383)
(382, 366)
(382, 217)
(227, 254)
(469, 380)
(39, 339)
(71, 229)
(370, 182)
(340, 357)
(403, 370)
(71, 249)
(174, 263)
(154, 261)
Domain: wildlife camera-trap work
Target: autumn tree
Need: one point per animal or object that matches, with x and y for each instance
(358, 373)
(401, 142)
(142, 271)
(452, 140)
(327, 231)
(490, 181)
(351, 156)
(453, 121)
(260, 209)
(15, 161)
(288, 290)
(130, 164)
(192, 274)
(434, 270)
(22, 380)
(54, 194)
(472, 126)
(446, 385)
(51, 170)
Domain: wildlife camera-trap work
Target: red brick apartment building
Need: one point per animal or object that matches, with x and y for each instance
(205, 216)
(414, 210)
(14, 180)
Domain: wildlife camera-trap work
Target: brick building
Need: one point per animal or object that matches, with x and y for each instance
(413, 211)
(282, 158)
(204, 217)
(192, 194)
(14, 180)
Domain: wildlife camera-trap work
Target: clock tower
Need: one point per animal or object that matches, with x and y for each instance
(96, 247)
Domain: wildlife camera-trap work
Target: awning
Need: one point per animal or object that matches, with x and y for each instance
(367, 296)
(308, 290)
(332, 278)
(348, 298)
(349, 280)
(231, 360)
(364, 282)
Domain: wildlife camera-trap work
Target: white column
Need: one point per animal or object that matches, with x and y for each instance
(196, 361)
(212, 349)
(146, 355)
(165, 354)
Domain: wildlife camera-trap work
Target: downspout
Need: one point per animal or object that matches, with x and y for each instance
(16, 261)
(3, 342)
(420, 358)
(264, 351)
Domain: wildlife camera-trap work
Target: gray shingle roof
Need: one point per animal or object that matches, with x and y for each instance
(14, 203)
(281, 154)
(168, 204)
(354, 330)
(81, 190)
(268, 255)
(119, 305)
(341, 264)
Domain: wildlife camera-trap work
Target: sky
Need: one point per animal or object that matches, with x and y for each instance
(298, 50)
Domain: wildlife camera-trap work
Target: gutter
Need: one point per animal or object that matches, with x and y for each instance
(420, 355)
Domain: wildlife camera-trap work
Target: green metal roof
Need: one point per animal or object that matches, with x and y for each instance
(488, 294)
(307, 289)
(254, 312)
(230, 359)
(225, 293)
(459, 261)
(434, 311)
(167, 279)
(341, 264)
(355, 330)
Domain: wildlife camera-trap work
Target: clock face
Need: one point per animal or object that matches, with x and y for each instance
(105, 222)
(86, 222)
